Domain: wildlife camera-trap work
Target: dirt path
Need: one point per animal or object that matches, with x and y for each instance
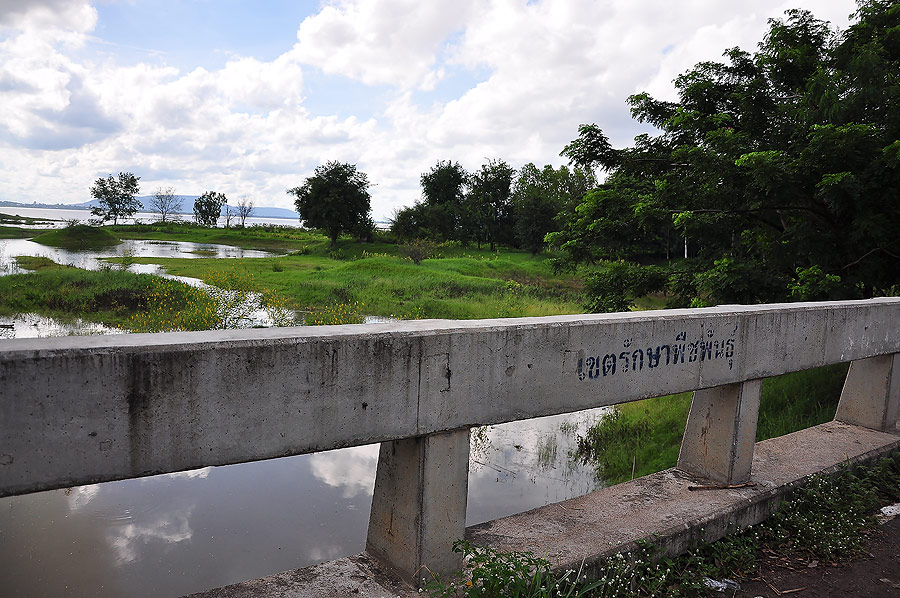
(874, 575)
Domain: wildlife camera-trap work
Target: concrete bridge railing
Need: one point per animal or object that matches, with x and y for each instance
(81, 410)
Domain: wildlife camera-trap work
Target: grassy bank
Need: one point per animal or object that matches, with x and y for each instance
(16, 232)
(828, 520)
(341, 284)
(110, 297)
(79, 236)
(646, 435)
(278, 239)
(30, 262)
(135, 302)
(457, 282)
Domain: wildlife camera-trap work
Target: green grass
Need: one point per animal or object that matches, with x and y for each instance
(30, 262)
(15, 232)
(80, 236)
(110, 297)
(459, 282)
(511, 285)
(278, 239)
(646, 435)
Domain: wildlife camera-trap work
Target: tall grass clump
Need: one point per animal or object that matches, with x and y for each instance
(110, 297)
(491, 573)
(644, 437)
(172, 305)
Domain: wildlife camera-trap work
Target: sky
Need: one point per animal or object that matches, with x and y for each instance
(248, 97)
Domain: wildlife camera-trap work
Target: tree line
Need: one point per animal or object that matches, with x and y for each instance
(117, 199)
(494, 205)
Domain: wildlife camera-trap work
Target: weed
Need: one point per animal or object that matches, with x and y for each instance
(493, 573)
(418, 250)
(546, 451)
(339, 313)
(828, 518)
(232, 300)
(647, 434)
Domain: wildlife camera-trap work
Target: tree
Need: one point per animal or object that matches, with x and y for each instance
(443, 191)
(244, 209)
(165, 203)
(539, 196)
(409, 223)
(779, 170)
(440, 215)
(489, 204)
(208, 208)
(229, 213)
(116, 196)
(335, 199)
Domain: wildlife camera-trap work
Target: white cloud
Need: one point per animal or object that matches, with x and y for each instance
(65, 18)
(191, 474)
(466, 81)
(392, 42)
(351, 469)
(170, 528)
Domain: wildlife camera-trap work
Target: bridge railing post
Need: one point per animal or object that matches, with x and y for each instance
(419, 504)
(871, 394)
(720, 432)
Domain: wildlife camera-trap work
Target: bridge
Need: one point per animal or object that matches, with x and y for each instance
(82, 410)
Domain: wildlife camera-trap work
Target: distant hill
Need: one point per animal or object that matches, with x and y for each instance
(187, 205)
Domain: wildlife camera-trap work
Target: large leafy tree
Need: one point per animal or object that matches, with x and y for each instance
(443, 191)
(440, 215)
(489, 204)
(540, 195)
(778, 170)
(336, 198)
(116, 197)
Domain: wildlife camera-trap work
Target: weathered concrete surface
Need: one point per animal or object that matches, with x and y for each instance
(871, 394)
(720, 432)
(419, 504)
(661, 508)
(81, 410)
(358, 575)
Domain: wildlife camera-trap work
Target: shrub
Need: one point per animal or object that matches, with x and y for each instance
(418, 250)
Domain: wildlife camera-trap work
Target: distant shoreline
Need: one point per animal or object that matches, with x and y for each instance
(82, 207)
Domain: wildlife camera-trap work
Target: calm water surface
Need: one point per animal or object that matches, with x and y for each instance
(57, 217)
(91, 260)
(179, 533)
